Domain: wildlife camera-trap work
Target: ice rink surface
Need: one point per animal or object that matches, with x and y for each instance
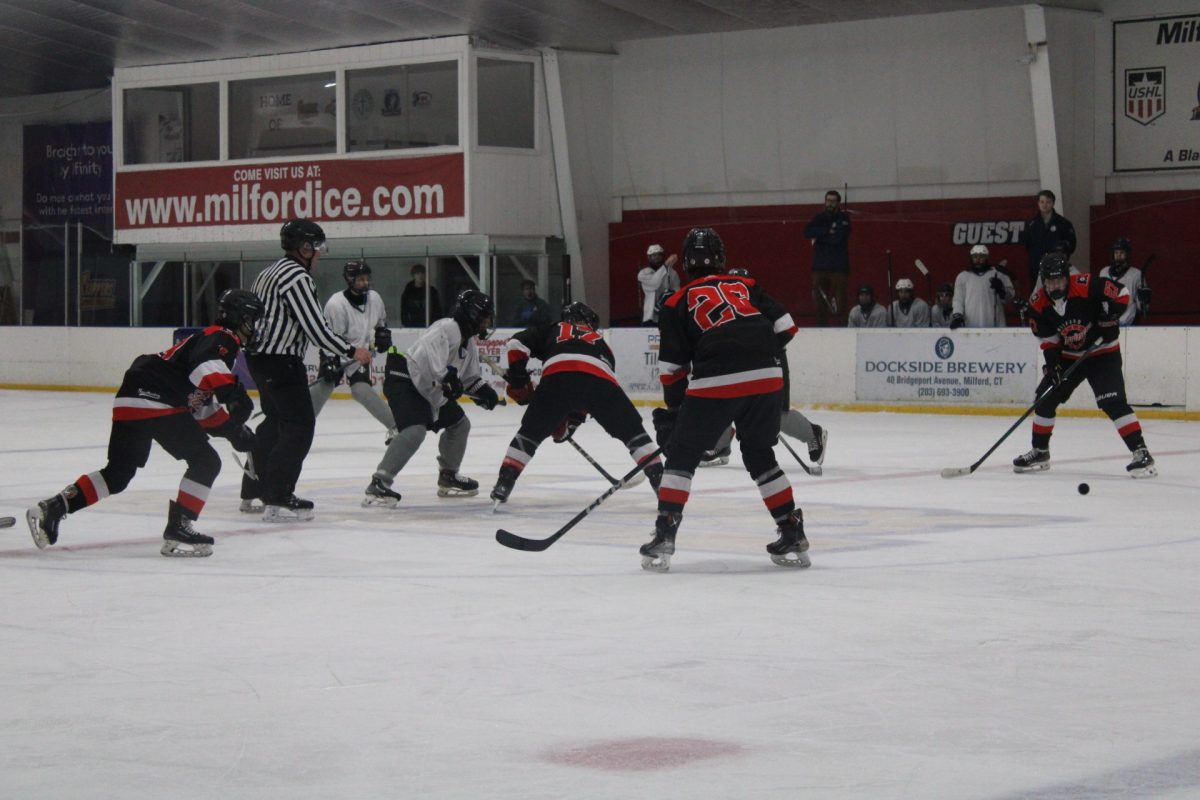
(994, 636)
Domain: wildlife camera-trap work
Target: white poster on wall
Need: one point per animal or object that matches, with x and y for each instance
(636, 352)
(944, 366)
(1156, 93)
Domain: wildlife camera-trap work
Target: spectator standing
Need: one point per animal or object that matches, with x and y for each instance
(908, 311)
(656, 282)
(412, 301)
(1046, 232)
(291, 320)
(1120, 271)
(868, 313)
(980, 293)
(829, 234)
(530, 309)
(943, 309)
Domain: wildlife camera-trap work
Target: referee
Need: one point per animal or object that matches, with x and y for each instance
(291, 320)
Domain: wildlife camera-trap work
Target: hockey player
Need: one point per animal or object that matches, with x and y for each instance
(1070, 315)
(721, 336)
(980, 293)
(422, 388)
(656, 282)
(868, 313)
(358, 316)
(578, 379)
(908, 311)
(176, 398)
(791, 421)
(1129, 277)
(942, 312)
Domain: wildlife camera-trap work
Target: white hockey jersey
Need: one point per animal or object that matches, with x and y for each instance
(1131, 279)
(439, 348)
(355, 325)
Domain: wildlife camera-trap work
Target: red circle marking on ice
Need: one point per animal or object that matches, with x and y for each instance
(641, 754)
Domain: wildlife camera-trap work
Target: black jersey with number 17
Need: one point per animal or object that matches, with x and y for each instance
(721, 336)
(564, 347)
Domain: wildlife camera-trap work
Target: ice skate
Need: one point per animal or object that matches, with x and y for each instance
(791, 548)
(289, 509)
(1142, 465)
(1035, 460)
(43, 520)
(715, 458)
(380, 494)
(656, 554)
(250, 505)
(180, 539)
(816, 448)
(452, 484)
(504, 485)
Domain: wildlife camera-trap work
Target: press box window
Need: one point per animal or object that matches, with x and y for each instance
(402, 106)
(172, 124)
(505, 103)
(291, 115)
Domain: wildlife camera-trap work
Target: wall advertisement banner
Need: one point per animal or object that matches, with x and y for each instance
(1156, 93)
(247, 193)
(636, 352)
(941, 366)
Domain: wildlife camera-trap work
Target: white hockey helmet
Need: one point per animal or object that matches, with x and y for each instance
(979, 250)
(904, 283)
(654, 249)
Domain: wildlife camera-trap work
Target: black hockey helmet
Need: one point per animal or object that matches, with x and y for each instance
(295, 233)
(1123, 244)
(946, 288)
(353, 269)
(703, 252)
(472, 309)
(1054, 265)
(581, 313)
(740, 272)
(239, 310)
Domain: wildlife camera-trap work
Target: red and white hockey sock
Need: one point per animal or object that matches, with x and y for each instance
(674, 491)
(776, 493)
(1042, 428)
(88, 490)
(1130, 430)
(192, 497)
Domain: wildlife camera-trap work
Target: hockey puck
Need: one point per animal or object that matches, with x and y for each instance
(1084, 488)
(7, 522)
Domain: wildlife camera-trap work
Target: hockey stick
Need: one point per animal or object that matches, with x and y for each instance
(634, 481)
(921, 268)
(516, 542)
(7, 522)
(247, 467)
(891, 297)
(958, 472)
(813, 470)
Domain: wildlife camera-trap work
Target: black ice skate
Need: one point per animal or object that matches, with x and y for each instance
(504, 485)
(1142, 465)
(288, 509)
(380, 494)
(43, 520)
(1035, 460)
(656, 554)
(715, 458)
(791, 548)
(816, 448)
(180, 539)
(452, 484)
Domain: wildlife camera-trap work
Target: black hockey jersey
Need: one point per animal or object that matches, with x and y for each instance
(1088, 314)
(191, 377)
(564, 347)
(721, 336)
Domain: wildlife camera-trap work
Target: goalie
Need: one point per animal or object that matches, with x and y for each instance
(177, 398)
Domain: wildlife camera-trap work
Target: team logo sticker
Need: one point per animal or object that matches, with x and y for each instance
(1145, 94)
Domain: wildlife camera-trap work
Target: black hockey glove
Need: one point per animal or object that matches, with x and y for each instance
(237, 403)
(383, 339)
(957, 321)
(452, 387)
(1143, 298)
(664, 424)
(484, 396)
(997, 287)
(1053, 370)
(520, 386)
(566, 428)
(330, 369)
(242, 438)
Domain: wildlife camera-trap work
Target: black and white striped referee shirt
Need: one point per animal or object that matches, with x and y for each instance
(292, 317)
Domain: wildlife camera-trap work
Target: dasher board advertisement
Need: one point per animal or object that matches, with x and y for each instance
(1156, 93)
(943, 366)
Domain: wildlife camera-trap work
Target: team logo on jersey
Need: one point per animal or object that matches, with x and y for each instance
(1074, 334)
(1145, 94)
(944, 348)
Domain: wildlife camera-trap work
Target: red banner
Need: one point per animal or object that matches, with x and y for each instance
(351, 190)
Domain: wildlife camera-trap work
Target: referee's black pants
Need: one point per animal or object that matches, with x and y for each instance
(284, 436)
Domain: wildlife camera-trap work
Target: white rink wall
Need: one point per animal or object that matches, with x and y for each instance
(1162, 365)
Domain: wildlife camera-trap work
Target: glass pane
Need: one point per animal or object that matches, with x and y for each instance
(421, 302)
(290, 115)
(402, 106)
(505, 103)
(208, 281)
(103, 281)
(172, 124)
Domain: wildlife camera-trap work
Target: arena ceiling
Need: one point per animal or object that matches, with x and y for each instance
(63, 45)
